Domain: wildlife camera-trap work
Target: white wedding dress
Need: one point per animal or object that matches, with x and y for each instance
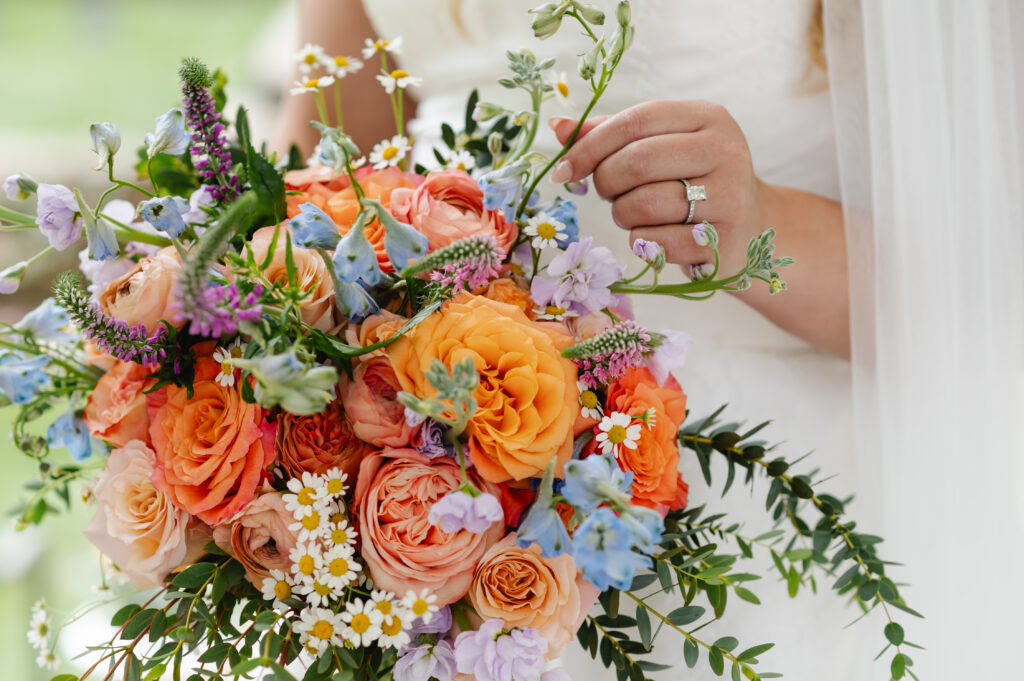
(753, 58)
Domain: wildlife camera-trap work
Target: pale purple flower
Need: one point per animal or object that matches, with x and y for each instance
(431, 439)
(55, 215)
(11, 188)
(669, 355)
(440, 623)
(413, 418)
(461, 511)
(491, 654)
(701, 271)
(19, 187)
(10, 277)
(579, 278)
(199, 199)
(556, 674)
(101, 273)
(705, 235)
(424, 662)
(649, 251)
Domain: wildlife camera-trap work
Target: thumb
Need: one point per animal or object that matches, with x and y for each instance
(564, 126)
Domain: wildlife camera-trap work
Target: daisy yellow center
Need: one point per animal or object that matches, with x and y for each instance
(338, 567)
(461, 166)
(306, 496)
(225, 367)
(236, 353)
(321, 589)
(389, 153)
(419, 607)
(588, 398)
(554, 310)
(563, 88)
(546, 230)
(381, 44)
(398, 74)
(341, 61)
(392, 626)
(516, 269)
(311, 521)
(311, 83)
(282, 590)
(310, 59)
(384, 607)
(306, 565)
(616, 434)
(339, 536)
(323, 630)
(337, 518)
(334, 486)
(360, 623)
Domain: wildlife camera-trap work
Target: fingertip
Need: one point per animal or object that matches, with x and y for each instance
(558, 125)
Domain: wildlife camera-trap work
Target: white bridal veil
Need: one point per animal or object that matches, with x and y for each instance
(928, 98)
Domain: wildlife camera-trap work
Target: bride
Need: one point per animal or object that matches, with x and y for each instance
(736, 97)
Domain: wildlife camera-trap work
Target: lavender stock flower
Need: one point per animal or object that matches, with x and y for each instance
(459, 510)
(425, 662)
(431, 438)
(493, 654)
(578, 279)
(57, 215)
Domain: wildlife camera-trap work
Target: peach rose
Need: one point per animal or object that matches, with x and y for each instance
(449, 206)
(259, 537)
(655, 461)
(145, 293)
(506, 290)
(317, 443)
(527, 398)
(212, 448)
(524, 589)
(318, 308)
(136, 526)
(372, 406)
(374, 329)
(116, 409)
(401, 549)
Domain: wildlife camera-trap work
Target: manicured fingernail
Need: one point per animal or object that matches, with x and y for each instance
(562, 172)
(556, 121)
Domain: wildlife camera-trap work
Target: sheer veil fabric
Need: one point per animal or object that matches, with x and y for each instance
(927, 101)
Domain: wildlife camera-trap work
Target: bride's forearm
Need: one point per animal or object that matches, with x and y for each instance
(815, 305)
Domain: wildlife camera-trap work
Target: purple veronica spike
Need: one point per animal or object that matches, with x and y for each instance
(218, 310)
(209, 150)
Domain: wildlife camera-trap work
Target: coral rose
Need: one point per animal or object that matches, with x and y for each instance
(506, 290)
(401, 549)
(317, 309)
(655, 461)
(116, 409)
(212, 448)
(318, 443)
(527, 397)
(372, 406)
(136, 526)
(145, 293)
(524, 589)
(259, 537)
(449, 206)
(374, 329)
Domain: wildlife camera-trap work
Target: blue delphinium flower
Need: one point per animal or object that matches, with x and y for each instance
(596, 480)
(70, 432)
(402, 242)
(503, 189)
(21, 379)
(170, 136)
(355, 260)
(354, 302)
(99, 233)
(646, 525)
(563, 211)
(313, 228)
(165, 213)
(542, 523)
(602, 548)
(47, 323)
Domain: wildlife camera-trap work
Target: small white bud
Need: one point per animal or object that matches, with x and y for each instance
(106, 140)
(170, 136)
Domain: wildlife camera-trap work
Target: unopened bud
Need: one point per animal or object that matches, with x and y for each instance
(494, 143)
(19, 187)
(590, 13)
(485, 111)
(623, 13)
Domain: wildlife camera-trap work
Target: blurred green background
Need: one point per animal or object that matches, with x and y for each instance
(66, 64)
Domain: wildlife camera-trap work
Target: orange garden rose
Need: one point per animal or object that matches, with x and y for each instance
(655, 461)
(527, 398)
(524, 589)
(145, 293)
(317, 443)
(372, 406)
(318, 308)
(374, 329)
(506, 290)
(259, 537)
(401, 549)
(212, 448)
(449, 206)
(116, 409)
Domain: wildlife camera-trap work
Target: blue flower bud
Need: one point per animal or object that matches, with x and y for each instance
(354, 257)
(313, 228)
(165, 213)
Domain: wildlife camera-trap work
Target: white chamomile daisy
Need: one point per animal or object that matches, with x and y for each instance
(648, 418)
(306, 559)
(373, 47)
(341, 535)
(335, 480)
(560, 81)
(460, 159)
(307, 494)
(422, 605)
(340, 567)
(590, 404)
(38, 633)
(398, 79)
(309, 56)
(386, 602)
(319, 628)
(389, 152)
(318, 591)
(363, 621)
(615, 430)
(341, 66)
(277, 587)
(394, 632)
(312, 526)
(553, 313)
(312, 85)
(545, 231)
(47, 660)
(223, 356)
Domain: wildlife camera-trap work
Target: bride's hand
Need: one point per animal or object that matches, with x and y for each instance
(638, 157)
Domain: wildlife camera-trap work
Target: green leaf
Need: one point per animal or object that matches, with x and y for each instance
(133, 671)
(156, 672)
(752, 652)
(643, 581)
(801, 488)
(124, 614)
(220, 585)
(65, 677)
(138, 623)
(894, 633)
(664, 575)
(773, 493)
(685, 615)
(246, 667)
(793, 582)
(716, 661)
(691, 653)
(194, 576)
(726, 643)
(796, 555)
(898, 667)
(846, 577)
(868, 590)
(747, 595)
(643, 625)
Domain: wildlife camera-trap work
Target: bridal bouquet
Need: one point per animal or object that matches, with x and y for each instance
(359, 421)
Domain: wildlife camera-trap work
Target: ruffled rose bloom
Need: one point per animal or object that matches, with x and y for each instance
(136, 526)
(372, 406)
(318, 443)
(116, 409)
(212, 448)
(524, 589)
(317, 309)
(527, 397)
(506, 290)
(374, 329)
(401, 549)
(449, 206)
(259, 537)
(145, 293)
(655, 461)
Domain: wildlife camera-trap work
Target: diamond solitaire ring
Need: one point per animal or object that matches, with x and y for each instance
(694, 193)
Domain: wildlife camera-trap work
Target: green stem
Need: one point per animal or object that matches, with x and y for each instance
(15, 216)
(337, 104)
(132, 234)
(149, 173)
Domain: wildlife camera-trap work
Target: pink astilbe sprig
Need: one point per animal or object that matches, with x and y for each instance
(218, 309)
(209, 149)
(606, 357)
(466, 263)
